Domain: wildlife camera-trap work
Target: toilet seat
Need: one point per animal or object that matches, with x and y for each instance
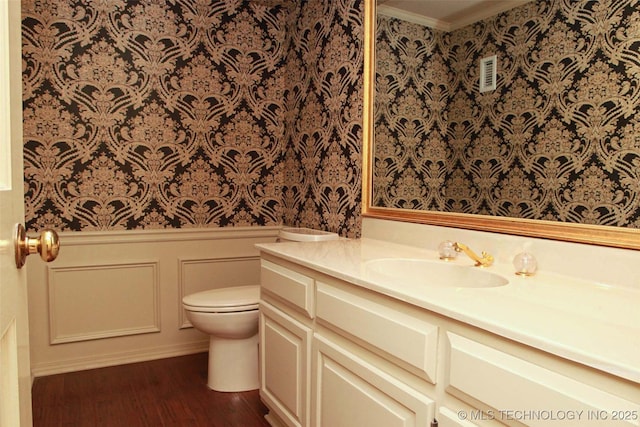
(225, 300)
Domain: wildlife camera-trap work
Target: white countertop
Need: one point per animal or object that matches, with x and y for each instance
(590, 323)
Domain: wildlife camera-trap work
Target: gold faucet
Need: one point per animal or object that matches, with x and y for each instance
(485, 261)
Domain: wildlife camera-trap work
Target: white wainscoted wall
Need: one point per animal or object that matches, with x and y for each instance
(116, 297)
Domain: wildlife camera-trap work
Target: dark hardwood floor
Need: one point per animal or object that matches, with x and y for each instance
(167, 392)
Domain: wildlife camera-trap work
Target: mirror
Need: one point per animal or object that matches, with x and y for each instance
(552, 152)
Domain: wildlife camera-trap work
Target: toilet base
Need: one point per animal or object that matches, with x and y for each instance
(233, 364)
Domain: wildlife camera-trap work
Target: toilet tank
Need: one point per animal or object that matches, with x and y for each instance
(293, 234)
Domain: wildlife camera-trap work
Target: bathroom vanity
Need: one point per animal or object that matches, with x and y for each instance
(356, 333)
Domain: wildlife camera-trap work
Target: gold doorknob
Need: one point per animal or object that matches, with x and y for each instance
(47, 245)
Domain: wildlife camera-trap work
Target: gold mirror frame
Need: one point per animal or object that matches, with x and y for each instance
(591, 234)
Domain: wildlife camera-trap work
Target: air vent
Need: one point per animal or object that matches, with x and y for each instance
(488, 68)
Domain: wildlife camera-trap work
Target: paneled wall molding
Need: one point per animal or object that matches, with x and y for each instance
(116, 297)
(103, 300)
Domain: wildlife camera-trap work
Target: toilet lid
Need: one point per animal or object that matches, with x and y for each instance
(224, 300)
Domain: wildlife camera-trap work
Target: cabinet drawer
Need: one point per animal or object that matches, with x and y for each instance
(407, 338)
(288, 285)
(522, 391)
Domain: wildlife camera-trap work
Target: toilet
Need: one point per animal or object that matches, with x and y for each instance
(230, 317)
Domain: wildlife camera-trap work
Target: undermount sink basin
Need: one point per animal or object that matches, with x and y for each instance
(422, 272)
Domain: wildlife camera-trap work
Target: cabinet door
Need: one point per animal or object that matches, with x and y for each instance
(285, 365)
(448, 418)
(350, 392)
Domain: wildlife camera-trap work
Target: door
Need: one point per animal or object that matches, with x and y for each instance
(15, 376)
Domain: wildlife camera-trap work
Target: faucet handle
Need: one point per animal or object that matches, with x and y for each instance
(447, 250)
(525, 264)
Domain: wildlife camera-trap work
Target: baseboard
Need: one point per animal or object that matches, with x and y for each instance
(121, 358)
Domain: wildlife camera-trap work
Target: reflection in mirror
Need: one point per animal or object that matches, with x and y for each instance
(557, 143)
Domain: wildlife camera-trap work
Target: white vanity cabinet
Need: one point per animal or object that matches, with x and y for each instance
(286, 313)
(335, 353)
(365, 355)
(334, 381)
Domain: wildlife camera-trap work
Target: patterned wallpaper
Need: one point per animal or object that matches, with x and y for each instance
(178, 113)
(411, 106)
(558, 139)
(323, 98)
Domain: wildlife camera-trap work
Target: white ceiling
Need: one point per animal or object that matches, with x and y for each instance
(445, 15)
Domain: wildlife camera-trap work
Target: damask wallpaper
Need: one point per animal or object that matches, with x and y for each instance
(323, 100)
(182, 113)
(412, 157)
(558, 139)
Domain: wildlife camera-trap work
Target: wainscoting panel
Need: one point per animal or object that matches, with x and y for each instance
(101, 301)
(212, 273)
(116, 297)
